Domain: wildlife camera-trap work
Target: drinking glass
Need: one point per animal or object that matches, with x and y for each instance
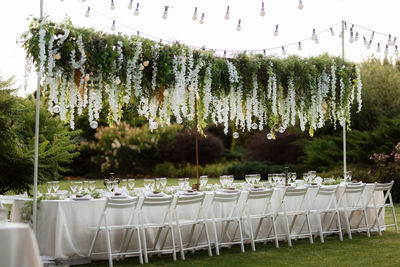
(73, 187)
(157, 183)
(110, 185)
(149, 184)
(124, 185)
(248, 178)
(86, 186)
(348, 176)
(187, 183)
(306, 177)
(257, 178)
(49, 187)
(203, 180)
(292, 176)
(222, 180)
(229, 180)
(131, 184)
(92, 186)
(163, 182)
(312, 174)
(181, 183)
(270, 178)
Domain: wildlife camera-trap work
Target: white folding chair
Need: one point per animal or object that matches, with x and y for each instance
(324, 205)
(233, 216)
(253, 198)
(378, 208)
(180, 215)
(131, 225)
(352, 200)
(300, 209)
(162, 206)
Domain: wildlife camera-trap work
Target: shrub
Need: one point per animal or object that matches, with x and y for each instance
(279, 151)
(165, 169)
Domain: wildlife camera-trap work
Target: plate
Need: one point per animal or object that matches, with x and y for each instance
(87, 197)
(119, 197)
(155, 195)
(230, 191)
(257, 189)
(189, 193)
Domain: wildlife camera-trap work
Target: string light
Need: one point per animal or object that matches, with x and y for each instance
(276, 31)
(194, 17)
(313, 36)
(112, 5)
(369, 44)
(386, 50)
(345, 26)
(136, 10)
(202, 19)
(165, 14)
(389, 42)
(332, 32)
(283, 51)
(299, 47)
(378, 48)
(227, 13)
(130, 6)
(394, 41)
(239, 27)
(113, 26)
(316, 40)
(365, 41)
(224, 53)
(83, 0)
(262, 12)
(351, 37)
(372, 35)
(356, 38)
(87, 14)
(300, 6)
(264, 52)
(396, 51)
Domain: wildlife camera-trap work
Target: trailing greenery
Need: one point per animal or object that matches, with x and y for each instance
(57, 145)
(80, 65)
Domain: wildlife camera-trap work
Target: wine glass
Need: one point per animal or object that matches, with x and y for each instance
(312, 174)
(292, 176)
(131, 184)
(163, 182)
(86, 186)
(222, 180)
(187, 183)
(149, 184)
(348, 176)
(306, 177)
(181, 183)
(257, 178)
(109, 185)
(157, 183)
(248, 178)
(49, 187)
(203, 180)
(73, 187)
(124, 185)
(229, 180)
(92, 186)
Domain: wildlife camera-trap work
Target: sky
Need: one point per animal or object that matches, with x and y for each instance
(257, 32)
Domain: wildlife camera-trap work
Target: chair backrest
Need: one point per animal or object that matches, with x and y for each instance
(226, 197)
(9, 199)
(183, 200)
(252, 204)
(121, 203)
(260, 194)
(325, 197)
(291, 193)
(295, 192)
(384, 186)
(354, 191)
(157, 201)
(354, 188)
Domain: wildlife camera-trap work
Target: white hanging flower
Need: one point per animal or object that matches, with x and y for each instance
(359, 89)
(291, 99)
(207, 96)
(233, 74)
(63, 99)
(42, 51)
(137, 70)
(155, 53)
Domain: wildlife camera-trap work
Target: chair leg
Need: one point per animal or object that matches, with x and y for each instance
(253, 246)
(208, 239)
(309, 228)
(339, 225)
(198, 238)
(241, 234)
(93, 242)
(366, 222)
(347, 224)
(139, 245)
(173, 242)
(275, 233)
(181, 242)
(394, 219)
(146, 258)
(216, 238)
(288, 231)
(110, 259)
(321, 231)
(377, 221)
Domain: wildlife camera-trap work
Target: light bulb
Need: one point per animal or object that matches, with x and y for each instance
(179, 120)
(254, 126)
(146, 63)
(94, 124)
(130, 6)
(389, 42)
(313, 36)
(262, 12)
(332, 32)
(202, 19)
(396, 51)
(386, 50)
(165, 14)
(351, 37)
(378, 48)
(194, 17)
(283, 51)
(235, 135)
(300, 6)
(113, 26)
(299, 47)
(369, 44)
(316, 40)
(227, 13)
(112, 5)
(239, 27)
(356, 38)
(57, 56)
(394, 41)
(372, 36)
(269, 136)
(87, 12)
(117, 81)
(365, 41)
(56, 109)
(276, 33)
(281, 129)
(136, 13)
(165, 93)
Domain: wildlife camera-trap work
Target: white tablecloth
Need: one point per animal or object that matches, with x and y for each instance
(18, 247)
(62, 225)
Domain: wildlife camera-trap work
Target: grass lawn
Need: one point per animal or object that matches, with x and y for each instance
(360, 251)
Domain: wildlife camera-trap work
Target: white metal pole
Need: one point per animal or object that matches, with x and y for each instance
(344, 120)
(36, 159)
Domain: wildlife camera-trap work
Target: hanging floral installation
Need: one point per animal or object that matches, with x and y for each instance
(83, 68)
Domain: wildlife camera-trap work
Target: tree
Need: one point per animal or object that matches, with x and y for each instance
(57, 144)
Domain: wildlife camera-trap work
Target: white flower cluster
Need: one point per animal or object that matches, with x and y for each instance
(155, 54)
(233, 74)
(42, 52)
(359, 89)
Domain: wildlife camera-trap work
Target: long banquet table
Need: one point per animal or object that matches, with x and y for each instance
(63, 225)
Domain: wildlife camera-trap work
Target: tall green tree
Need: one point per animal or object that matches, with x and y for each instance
(57, 144)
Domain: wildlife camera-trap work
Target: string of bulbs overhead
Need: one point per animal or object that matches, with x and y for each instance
(354, 34)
